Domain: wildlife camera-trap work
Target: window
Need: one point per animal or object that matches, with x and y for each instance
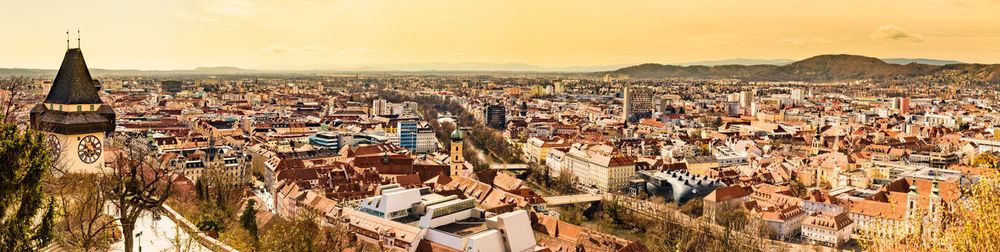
(91, 107)
(79, 108)
(452, 208)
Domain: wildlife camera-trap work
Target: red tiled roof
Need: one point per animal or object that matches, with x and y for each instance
(727, 193)
(829, 221)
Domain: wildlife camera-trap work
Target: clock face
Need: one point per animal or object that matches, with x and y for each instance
(89, 149)
(52, 142)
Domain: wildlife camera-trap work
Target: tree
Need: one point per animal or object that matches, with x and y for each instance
(564, 182)
(217, 189)
(181, 241)
(987, 159)
(83, 224)
(136, 183)
(305, 233)
(798, 189)
(969, 224)
(9, 89)
(248, 220)
(706, 150)
(209, 222)
(692, 208)
(963, 126)
(573, 214)
(24, 162)
(977, 220)
(614, 210)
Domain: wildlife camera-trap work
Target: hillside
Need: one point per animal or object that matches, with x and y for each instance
(651, 70)
(903, 61)
(841, 67)
(822, 68)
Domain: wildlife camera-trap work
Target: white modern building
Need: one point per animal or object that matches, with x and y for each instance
(399, 219)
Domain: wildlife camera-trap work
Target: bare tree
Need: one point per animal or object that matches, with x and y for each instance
(182, 242)
(135, 183)
(85, 223)
(307, 231)
(219, 187)
(9, 89)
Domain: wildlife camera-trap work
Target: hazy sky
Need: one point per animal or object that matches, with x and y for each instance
(183, 34)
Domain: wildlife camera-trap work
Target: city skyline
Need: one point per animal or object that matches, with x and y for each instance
(305, 35)
(492, 126)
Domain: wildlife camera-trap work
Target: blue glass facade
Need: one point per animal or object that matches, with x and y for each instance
(408, 135)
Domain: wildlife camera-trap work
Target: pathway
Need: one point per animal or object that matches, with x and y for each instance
(159, 234)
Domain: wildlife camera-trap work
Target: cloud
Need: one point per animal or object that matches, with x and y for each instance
(277, 49)
(892, 32)
(802, 41)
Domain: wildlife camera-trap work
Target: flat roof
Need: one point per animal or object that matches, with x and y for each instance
(431, 196)
(464, 227)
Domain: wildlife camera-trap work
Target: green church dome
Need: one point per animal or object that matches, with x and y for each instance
(456, 136)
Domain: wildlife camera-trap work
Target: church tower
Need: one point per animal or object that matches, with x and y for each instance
(912, 197)
(817, 142)
(935, 200)
(457, 161)
(74, 118)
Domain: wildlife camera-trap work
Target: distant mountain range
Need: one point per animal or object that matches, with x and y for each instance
(738, 61)
(822, 68)
(904, 61)
(780, 62)
(447, 67)
(361, 68)
(99, 71)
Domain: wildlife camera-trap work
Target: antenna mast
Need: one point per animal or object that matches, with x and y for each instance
(78, 38)
(67, 39)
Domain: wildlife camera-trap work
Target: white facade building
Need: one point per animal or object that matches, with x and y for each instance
(401, 218)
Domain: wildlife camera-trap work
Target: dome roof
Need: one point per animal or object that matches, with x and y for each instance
(456, 136)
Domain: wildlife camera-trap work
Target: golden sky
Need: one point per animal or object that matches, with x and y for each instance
(183, 34)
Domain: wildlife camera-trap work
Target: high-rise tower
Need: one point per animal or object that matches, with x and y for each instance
(637, 104)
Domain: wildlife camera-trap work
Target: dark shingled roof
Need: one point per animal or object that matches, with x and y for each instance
(68, 123)
(73, 84)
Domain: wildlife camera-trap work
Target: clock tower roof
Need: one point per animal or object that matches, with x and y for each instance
(73, 83)
(73, 86)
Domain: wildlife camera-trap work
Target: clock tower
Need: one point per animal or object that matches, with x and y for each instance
(74, 118)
